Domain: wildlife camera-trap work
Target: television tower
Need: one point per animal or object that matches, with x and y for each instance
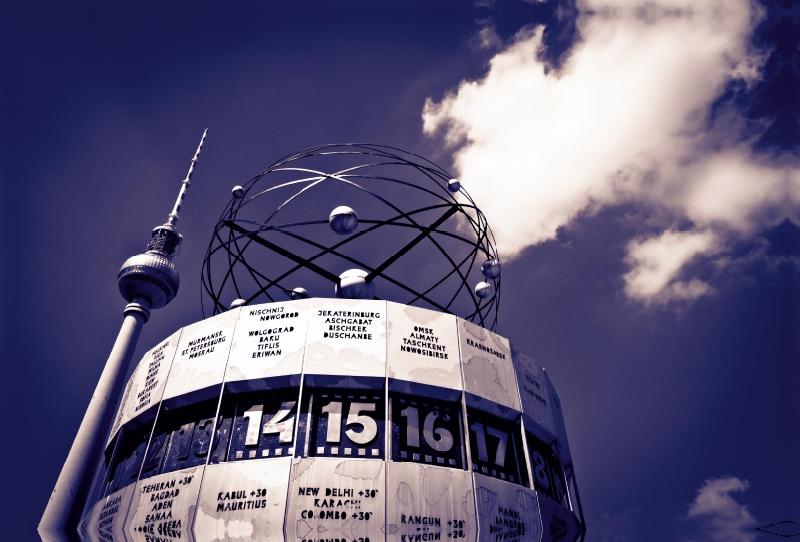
(147, 281)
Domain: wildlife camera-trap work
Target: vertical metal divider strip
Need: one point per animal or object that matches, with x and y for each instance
(554, 445)
(567, 491)
(125, 390)
(160, 402)
(387, 426)
(574, 500)
(531, 473)
(308, 426)
(297, 421)
(88, 506)
(230, 435)
(578, 500)
(465, 429)
(191, 520)
(141, 465)
(522, 422)
(101, 474)
(461, 423)
(149, 442)
(519, 472)
(98, 470)
(300, 389)
(570, 490)
(150, 439)
(525, 450)
(567, 481)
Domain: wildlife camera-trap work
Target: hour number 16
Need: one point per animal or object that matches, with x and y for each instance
(439, 439)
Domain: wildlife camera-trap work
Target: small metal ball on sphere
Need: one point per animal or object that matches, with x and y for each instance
(353, 285)
(453, 185)
(238, 303)
(299, 293)
(491, 268)
(483, 289)
(238, 192)
(343, 220)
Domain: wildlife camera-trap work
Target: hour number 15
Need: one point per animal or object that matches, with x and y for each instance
(369, 429)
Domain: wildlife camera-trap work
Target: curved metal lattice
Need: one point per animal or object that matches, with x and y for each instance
(420, 243)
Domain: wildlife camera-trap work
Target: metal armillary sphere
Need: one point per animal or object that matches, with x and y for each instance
(355, 221)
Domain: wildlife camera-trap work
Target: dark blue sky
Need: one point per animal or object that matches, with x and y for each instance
(103, 105)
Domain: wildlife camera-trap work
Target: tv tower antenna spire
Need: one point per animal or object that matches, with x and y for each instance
(173, 216)
(147, 281)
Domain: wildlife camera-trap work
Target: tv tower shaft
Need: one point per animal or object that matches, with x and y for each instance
(147, 281)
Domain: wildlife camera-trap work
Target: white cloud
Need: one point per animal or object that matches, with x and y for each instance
(722, 519)
(656, 263)
(624, 121)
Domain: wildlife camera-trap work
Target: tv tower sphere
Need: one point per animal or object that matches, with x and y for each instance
(152, 276)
